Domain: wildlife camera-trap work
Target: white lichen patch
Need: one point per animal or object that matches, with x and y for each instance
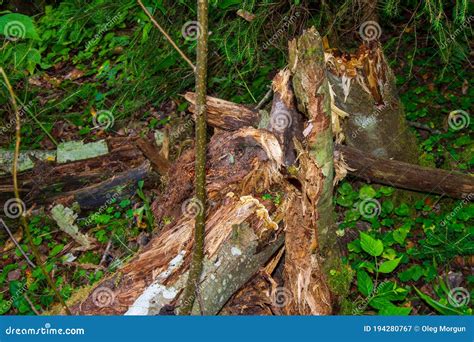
(172, 265)
(143, 304)
(235, 251)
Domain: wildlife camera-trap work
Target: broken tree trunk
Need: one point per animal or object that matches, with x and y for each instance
(310, 240)
(370, 168)
(242, 230)
(363, 86)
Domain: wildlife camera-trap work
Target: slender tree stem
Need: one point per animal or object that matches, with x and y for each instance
(23, 221)
(167, 36)
(200, 168)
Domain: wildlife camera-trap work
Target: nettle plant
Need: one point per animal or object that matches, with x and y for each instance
(399, 249)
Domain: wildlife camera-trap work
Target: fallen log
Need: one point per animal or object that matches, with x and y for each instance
(407, 176)
(385, 171)
(87, 181)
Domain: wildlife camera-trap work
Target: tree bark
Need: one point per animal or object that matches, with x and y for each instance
(200, 174)
(242, 231)
(365, 166)
(407, 176)
(364, 87)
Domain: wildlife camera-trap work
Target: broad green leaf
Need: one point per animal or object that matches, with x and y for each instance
(403, 210)
(367, 191)
(345, 189)
(392, 310)
(389, 266)
(415, 272)
(370, 245)
(387, 206)
(15, 26)
(364, 283)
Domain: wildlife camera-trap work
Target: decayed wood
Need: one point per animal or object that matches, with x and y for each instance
(160, 164)
(407, 176)
(391, 172)
(285, 121)
(86, 181)
(364, 87)
(242, 230)
(224, 114)
(311, 243)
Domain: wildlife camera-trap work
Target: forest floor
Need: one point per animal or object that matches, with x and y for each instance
(67, 87)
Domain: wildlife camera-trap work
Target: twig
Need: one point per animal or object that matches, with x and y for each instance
(265, 99)
(17, 244)
(35, 119)
(17, 193)
(170, 40)
(424, 127)
(32, 305)
(195, 269)
(106, 252)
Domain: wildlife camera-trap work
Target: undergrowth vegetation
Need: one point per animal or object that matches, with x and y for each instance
(81, 57)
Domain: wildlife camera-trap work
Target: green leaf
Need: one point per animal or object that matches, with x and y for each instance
(387, 206)
(16, 26)
(56, 250)
(364, 283)
(345, 189)
(437, 305)
(5, 306)
(370, 245)
(344, 201)
(403, 210)
(392, 310)
(400, 234)
(367, 191)
(415, 272)
(389, 266)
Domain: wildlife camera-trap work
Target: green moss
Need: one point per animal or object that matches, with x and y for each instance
(340, 277)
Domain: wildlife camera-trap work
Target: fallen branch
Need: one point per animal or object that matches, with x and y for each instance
(407, 176)
(379, 170)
